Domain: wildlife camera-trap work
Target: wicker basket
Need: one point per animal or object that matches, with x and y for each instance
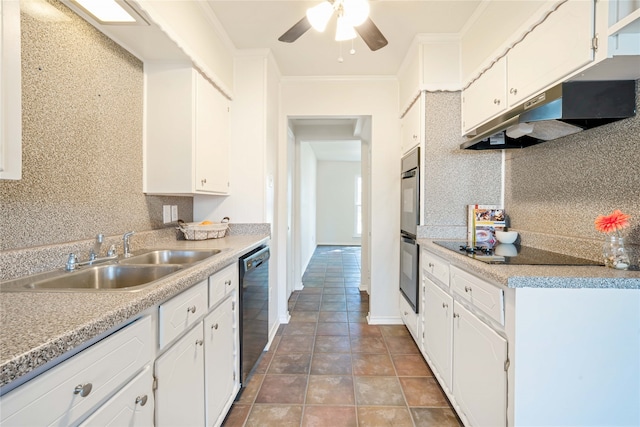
(196, 231)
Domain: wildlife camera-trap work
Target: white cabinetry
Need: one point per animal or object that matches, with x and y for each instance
(179, 372)
(531, 66)
(132, 406)
(409, 316)
(187, 133)
(197, 377)
(479, 370)
(438, 330)
(68, 392)
(411, 125)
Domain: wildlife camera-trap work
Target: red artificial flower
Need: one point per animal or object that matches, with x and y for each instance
(610, 223)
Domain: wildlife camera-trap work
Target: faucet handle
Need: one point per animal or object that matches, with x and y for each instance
(112, 251)
(72, 262)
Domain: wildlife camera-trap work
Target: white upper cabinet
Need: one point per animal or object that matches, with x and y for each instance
(411, 125)
(558, 46)
(187, 133)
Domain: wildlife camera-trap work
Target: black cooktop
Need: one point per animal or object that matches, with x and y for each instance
(512, 254)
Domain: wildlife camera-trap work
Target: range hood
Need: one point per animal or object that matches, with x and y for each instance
(562, 110)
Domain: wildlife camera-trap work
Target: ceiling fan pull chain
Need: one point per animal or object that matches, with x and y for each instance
(353, 50)
(340, 58)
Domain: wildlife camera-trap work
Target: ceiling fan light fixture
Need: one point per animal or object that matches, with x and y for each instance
(319, 15)
(355, 11)
(344, 30)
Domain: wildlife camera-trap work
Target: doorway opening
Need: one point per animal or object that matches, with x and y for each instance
(329, 190)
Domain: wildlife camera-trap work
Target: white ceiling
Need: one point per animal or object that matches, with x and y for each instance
(331, 138)
(257, 24)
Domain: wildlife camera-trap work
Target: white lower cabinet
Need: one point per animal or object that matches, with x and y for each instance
(479, 370)
(132, 406)
(67, 393)
(179, 374)
(221, 349)
(438, 329)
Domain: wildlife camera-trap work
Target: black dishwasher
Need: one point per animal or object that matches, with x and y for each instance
(254, 309)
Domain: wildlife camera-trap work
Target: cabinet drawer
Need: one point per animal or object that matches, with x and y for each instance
(481, 294)
(222, 283)
(52, 399)
(182, 311)
(132, 406)
(409, 317)
(436, 267)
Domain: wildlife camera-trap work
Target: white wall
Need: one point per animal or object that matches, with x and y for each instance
(378, 98)
(307, 197)
(336, 202)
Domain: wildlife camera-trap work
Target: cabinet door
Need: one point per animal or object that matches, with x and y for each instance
(220, 352)
(438, 329)
(180, 373)
(132, 406)
(212, 138)
(557, 47)
(479, 376)
(486, 97)
(411, 126)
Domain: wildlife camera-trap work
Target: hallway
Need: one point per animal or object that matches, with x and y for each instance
(328, 367)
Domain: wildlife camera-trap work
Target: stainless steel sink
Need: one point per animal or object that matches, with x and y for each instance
(105, 277)
(170, 256)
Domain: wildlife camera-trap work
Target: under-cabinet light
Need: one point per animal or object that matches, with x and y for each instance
(109, 11)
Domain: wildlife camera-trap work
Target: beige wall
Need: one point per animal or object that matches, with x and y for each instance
(82, 138)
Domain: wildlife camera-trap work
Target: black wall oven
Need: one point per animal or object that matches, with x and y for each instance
(409, 220)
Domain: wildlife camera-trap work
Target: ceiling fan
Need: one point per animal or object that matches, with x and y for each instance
(353, 16)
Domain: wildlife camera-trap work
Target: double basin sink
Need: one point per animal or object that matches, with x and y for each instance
(127, 274)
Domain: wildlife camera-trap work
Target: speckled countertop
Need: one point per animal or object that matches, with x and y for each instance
(38, 327)
(539, 276)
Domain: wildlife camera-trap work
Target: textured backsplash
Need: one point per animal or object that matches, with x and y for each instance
(82, 137)
(559, 187)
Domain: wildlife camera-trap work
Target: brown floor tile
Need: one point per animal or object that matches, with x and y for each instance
(290, 363)
(300, 328)
(395, 331)
(424, 392)
(307, 306)
(311, 285)
(264, 362)
(275, 416)
(296, 344)
(372, 364)
(334, 297)
(329, 416)
(237, 415)
(334, 291)
(250, 392)
(332, 316)
(312, 289)
(282, 389)
(402, 345)
(333, 306)
(368, 345)
(358, 306)
(304, 316)
(330, 390)
(429, 417)
(378, 391)
(357, 316)
(375, 416)
(331, 364)
(332, 344)
(352, 291)
(280, 329)
(364, 330)
(333, 329)
(411, 365)
(310, 297)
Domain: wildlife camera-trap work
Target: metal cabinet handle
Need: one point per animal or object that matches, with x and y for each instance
(199, 342)
(406, 313)
(142, 400)
(496, 101)
(228, 283)
(456, 315)
(191, 309)
(467, 289)
(83, 389)
(431, 265)
(214, 326)
(203, 181)
(513, 91)
(445, 305)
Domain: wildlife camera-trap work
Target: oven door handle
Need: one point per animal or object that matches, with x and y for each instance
(409, 174)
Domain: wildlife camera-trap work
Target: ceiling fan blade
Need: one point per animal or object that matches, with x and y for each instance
(371, 35)
(293, 33)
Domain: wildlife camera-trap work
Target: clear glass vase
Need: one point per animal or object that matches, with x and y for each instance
(615, 254)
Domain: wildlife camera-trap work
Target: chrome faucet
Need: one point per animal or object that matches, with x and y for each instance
(95, 251)
(73, 263)
(125, 243)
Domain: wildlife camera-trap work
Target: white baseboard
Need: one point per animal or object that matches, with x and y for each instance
(384, 320)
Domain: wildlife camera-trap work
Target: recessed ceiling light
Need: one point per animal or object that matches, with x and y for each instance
(110, 11)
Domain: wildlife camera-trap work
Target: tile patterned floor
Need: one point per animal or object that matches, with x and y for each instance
(328, 367)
